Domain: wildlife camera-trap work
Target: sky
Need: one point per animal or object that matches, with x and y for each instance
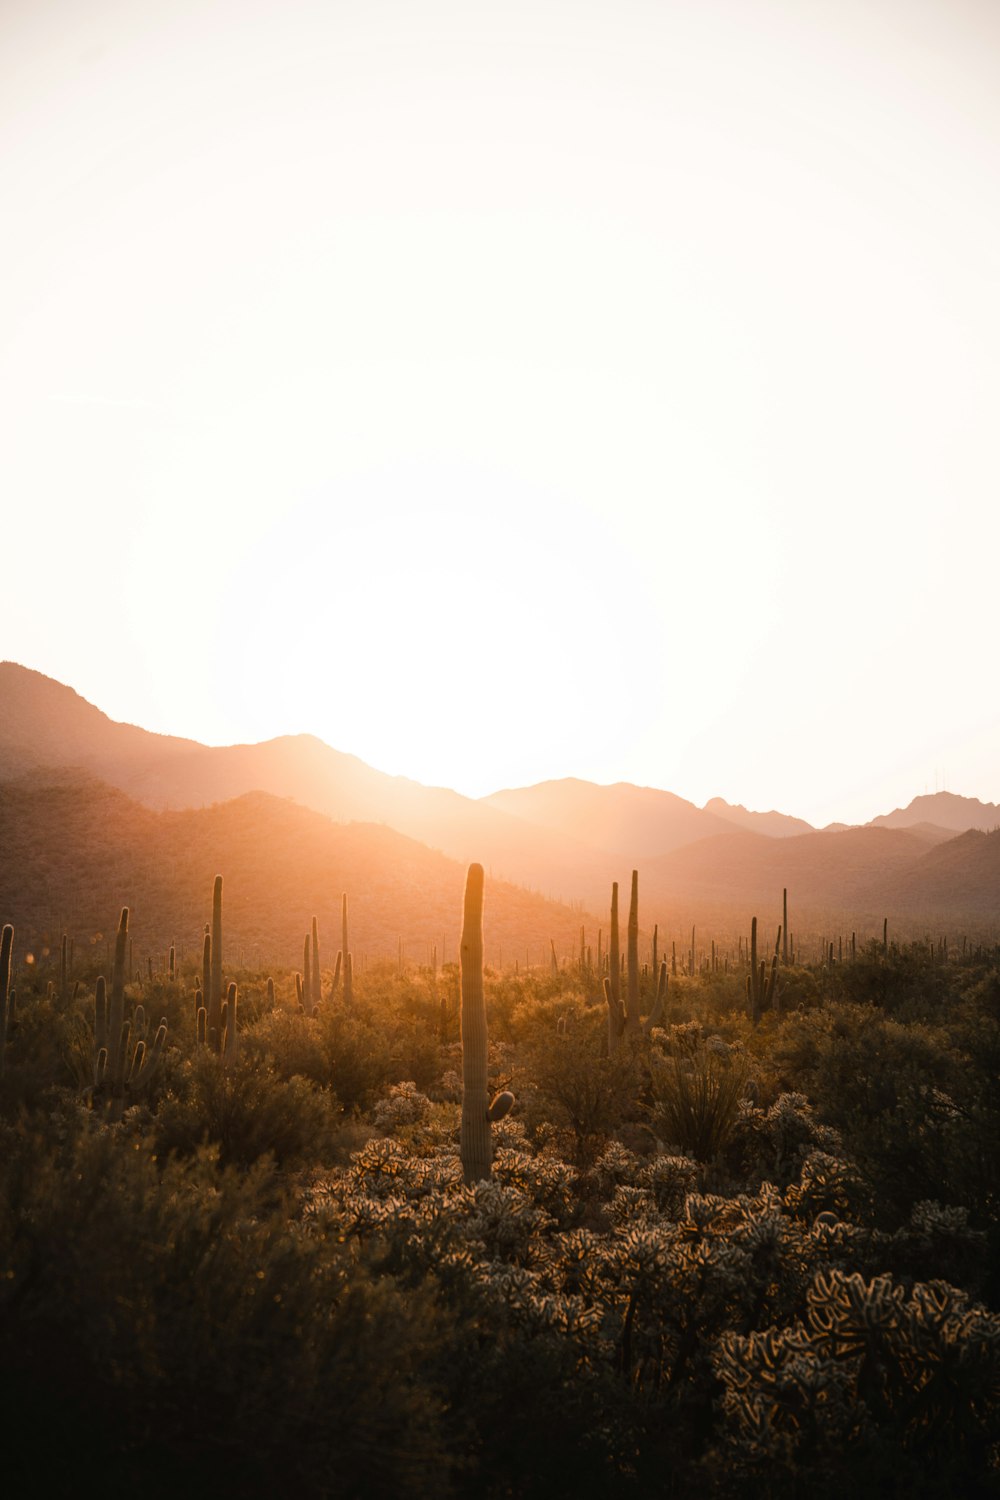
(511, 391)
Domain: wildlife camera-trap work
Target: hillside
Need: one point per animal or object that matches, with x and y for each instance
(959, 879)
(76, 851)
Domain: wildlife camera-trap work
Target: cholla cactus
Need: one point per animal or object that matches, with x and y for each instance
(405, 1105)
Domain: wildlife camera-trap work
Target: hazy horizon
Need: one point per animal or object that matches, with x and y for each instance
(492, 791)
(505, 395)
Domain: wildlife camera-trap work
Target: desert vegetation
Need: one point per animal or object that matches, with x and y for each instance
(617, 1225)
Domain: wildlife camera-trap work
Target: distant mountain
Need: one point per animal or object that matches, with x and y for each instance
(77, 850)
(632, 822)
(44, 724)
(946, 810)
(566, 838)
(775, 824)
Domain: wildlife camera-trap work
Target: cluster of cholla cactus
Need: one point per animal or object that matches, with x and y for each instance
(125, 1060)
(478, 1113)
(924, 1361)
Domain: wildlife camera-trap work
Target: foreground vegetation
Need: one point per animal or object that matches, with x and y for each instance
(719, 1258)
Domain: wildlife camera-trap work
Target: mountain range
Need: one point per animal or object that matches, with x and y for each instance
(562, 840)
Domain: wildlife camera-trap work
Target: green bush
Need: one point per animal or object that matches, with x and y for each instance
(248, 1112)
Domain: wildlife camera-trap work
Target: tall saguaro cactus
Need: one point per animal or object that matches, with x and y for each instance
(215, 978)
(614, 958)
(477, 1116)
(307, 985)
(317, 991)
(784, 925)
(345, 950)
(616, 1018)
(632, 1019)
(477, 1141)
(760, 980)
(116, 1005)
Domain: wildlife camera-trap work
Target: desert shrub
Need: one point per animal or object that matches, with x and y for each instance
(888, 1088)
(562, 1076)
(907, 981)
(169, 1324)
(247, 1111)
(47, 1048)
(293, 1044)
(358, 1056)
(696, 1099)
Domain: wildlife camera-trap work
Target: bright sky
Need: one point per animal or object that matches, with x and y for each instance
(515, 390)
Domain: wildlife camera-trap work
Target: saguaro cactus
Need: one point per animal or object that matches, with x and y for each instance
(632, 1019)
(116, 1005)
(760, 980)
(307, 984)
(616, 1018)
(655, 1017)
(345, 950)
(100, 1015)
(215, 978)
(230, 1031)
(317, 993)
(614, 956)
(784, 925)
(476, 1139)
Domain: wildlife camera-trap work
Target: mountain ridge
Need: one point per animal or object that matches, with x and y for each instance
(565, 839)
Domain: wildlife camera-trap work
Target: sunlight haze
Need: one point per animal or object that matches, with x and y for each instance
(505, 393)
